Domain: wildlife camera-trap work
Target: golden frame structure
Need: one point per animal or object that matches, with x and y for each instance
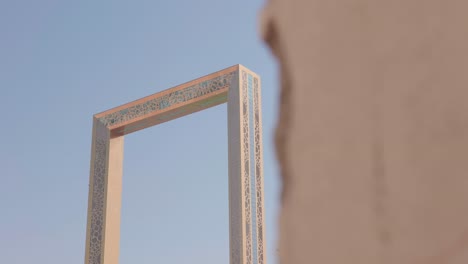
(240, 88)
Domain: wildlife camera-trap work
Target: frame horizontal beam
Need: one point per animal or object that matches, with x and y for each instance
(181, 100)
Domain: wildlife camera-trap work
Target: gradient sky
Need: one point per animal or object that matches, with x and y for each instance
(63, 61)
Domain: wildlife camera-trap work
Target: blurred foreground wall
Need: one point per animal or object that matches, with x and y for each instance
(373, 130)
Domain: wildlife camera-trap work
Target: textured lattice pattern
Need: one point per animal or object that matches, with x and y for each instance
(253, 190)
(168, 100)
(246, 169)
(258, 170)
(98, 199)
(246, 223)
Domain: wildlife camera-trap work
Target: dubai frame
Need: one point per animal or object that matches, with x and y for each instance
(240, 88)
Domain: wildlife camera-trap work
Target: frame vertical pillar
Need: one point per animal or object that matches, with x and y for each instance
(105, 192)
(246, 208)
(236, 187)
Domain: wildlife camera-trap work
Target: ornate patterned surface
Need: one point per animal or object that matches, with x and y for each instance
(247, 236)
(258, 170)
(168, 100)
(98, 190)
(246, 169)
(253, 187)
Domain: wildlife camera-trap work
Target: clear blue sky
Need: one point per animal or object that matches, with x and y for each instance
(63, 61)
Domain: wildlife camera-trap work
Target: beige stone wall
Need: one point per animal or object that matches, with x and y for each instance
(373, 130)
